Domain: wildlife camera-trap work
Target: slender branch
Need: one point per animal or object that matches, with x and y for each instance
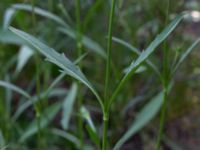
(165, 83)
(107, 77)
(109, 49)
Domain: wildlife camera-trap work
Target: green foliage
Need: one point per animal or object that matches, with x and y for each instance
(143, 117)
(51, 110)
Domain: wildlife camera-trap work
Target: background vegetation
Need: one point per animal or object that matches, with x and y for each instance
(42, 108)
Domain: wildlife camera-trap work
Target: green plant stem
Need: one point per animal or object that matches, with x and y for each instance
(78, 28)
(162, 120)
(109, 49)
(37, 105)
(79, 48)
(165, 83)
(105, 131)
(107, 77)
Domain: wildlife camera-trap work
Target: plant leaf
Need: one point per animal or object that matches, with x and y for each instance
(136, 51)
(24, 54)
(8, 18)
(56, 92)
(8, 37)
(67, 136)
(2, 140)
(143, 118)
(89, 43)
(145, 54)
(90, 126)
(185, 54)
(68, 106)
(14, 88)
(45, 119)
(126, 44)
(58, 59)
(160, 38)
(86, 115)
(38, 11)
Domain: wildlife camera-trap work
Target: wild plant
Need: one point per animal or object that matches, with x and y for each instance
(73, 69)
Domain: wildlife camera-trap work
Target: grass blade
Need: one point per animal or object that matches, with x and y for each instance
(90, 126)
(127, 45)
(86, 115)
(8, 18)
(2, 140)
(185, 54)
(24, 55)
(87, 42)
(35, 99)
(136, 51)
(45, 119)
(67, 136)
(158, 40)
(15, 88)
(144, 117)
(68, 106)
(60, 60)
(7, 37)
(39, 11)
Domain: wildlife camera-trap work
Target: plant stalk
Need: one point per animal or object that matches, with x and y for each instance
(109, 49)
(37, 105)
(107, 77)
(162, 120)
(105, 131)
(165, 83)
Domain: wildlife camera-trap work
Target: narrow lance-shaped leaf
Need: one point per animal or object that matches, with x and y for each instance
(9, 13)
(24, 55)
(90, 126)
(68, 106)
(36, 10)
(60, 60)
(8, 37)
(185, 54)
(89, 43)
(136, 51)
(2, 140)
(146, 53)
(44, 120)
(144, 116)
(34, 99)
(49, 92)
(15, 88)
(67, 136)
(158, 40)
(86, 115)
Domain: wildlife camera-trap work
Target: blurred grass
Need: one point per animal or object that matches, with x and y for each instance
(137, 22)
